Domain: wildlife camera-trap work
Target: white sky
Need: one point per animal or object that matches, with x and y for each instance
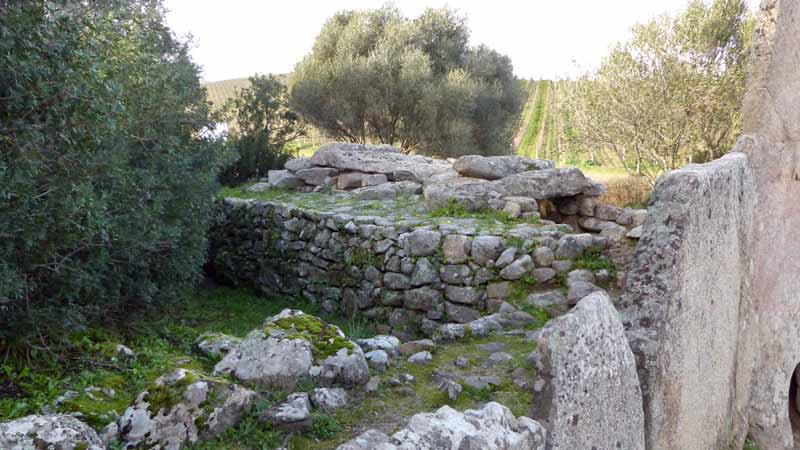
(544, 38)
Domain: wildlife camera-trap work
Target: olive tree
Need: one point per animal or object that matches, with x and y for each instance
(672, 94)
(376, 76)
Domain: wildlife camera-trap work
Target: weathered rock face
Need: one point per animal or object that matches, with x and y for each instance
(716, 254)
(268, 361)
(293, 345)
(48, 432)
(382, 159)
(683, 301)
(771, 125)
(492, 427)
(587, 391)
(182, 407)
(496, 167)
(475, 193)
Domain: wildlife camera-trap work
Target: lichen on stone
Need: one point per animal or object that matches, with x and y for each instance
(326, 340)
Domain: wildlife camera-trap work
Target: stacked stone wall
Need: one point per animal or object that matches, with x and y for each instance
(413, 277)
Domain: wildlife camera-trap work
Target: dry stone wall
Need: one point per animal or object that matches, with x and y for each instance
(413, 276)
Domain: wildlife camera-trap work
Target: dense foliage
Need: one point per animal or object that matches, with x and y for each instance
(671, 95)
(377, 76)
(106, 182)
(261, 127)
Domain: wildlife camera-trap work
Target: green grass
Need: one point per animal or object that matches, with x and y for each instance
(749, 445)
(162, 339)
(486, 217)
(530, 139)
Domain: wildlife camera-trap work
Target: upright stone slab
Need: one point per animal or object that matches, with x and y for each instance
(713, 295)
(683, 301)
(771, 122)
(587, 391)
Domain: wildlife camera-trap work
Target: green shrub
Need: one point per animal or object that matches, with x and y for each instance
(324, 426)
(262, 126)
(106, 171)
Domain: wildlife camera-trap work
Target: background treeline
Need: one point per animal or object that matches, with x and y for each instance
(669, 96)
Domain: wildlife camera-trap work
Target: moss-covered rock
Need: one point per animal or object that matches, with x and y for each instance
(181, 407)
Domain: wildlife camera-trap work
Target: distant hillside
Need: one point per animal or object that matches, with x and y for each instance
(220, 91)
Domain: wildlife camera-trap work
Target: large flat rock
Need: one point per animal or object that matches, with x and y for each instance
(496, 167)
(475, 193)
(587, 390)
(46, 432)
(383, 159)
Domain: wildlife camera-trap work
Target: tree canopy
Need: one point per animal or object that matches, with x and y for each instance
(262, 124)
(670, 95)
(376, 76)
(106, 180)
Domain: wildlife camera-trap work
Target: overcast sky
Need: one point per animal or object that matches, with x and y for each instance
(544, 38)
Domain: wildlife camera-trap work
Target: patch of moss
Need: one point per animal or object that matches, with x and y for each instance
(595, 260)
(201, 423)
(324, 338)
(81, 446)
(520, 289)
(98, 409)
(165, 396)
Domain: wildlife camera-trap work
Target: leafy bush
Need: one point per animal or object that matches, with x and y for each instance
(106, 178)
(324, 426)
(261, 127)
(374, 75)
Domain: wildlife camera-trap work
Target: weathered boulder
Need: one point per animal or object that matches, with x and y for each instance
(268, 360)
(547, 183)
(475, 193)
(456, 248)
(284, 179)
(383, 159)
(329, 399)
(518, 268)
(587, 391)
(297, 164)
(317, 176)
(48, 432)
(182, 407)
(682, 301)
(293, 345)
(493, 427)
(421, 242)
(292, 413)
(369, 440)
(216, 344)
(485, 248)
(389, 344)
(496, 167)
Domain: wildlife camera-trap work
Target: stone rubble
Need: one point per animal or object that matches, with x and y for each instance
(493, 427)
(48, 432)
